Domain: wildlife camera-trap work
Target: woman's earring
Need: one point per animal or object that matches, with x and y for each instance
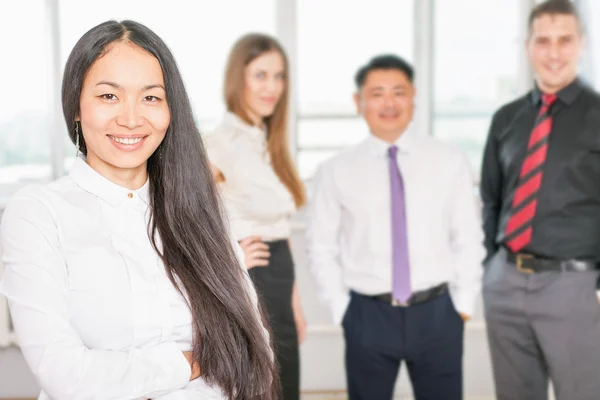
(77, 138)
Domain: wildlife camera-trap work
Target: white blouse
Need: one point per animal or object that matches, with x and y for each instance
(93, 308)
(257, 202)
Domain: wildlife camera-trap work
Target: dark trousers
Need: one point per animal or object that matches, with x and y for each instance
(427, 336)
(274, 285)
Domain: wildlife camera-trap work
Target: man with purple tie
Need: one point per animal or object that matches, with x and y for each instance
(395, 245)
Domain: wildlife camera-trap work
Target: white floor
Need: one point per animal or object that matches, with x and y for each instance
(342, 396)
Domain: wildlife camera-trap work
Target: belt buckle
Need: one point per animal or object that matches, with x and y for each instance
(396, 303)
(520, 268)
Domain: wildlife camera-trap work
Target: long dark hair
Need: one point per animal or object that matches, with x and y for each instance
(228, 340)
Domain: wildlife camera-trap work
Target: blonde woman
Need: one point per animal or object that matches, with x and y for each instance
(261, 187)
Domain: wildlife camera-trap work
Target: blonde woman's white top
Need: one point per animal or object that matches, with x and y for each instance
(95, 313)
(257, 202)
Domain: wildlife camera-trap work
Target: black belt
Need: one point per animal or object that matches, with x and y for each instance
(416, 298)
(530, 264)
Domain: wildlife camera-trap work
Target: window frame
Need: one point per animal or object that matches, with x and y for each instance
(287, 26)
(424, 56)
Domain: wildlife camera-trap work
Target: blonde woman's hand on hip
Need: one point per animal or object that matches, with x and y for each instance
(256, 252)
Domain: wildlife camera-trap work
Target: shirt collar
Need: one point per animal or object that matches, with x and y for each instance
(567, 95)
(379, 147)
(234, 120)
(91, 181)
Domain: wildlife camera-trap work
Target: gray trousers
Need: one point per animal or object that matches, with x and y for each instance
(542, 326)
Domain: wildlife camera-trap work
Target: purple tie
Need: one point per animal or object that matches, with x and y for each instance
(401, 270)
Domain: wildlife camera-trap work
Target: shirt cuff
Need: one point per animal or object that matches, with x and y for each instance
(464, 301)
(339, 308)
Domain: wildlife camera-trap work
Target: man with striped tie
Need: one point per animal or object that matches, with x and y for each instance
(540, 187)
(396, 246)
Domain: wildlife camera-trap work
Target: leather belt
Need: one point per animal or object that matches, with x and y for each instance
(530, 264)
(416, 298)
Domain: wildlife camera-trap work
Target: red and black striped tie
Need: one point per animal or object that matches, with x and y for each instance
(519, 228)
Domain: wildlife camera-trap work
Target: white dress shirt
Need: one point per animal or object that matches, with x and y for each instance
(349, 222)
(257, 202)
(95, 313)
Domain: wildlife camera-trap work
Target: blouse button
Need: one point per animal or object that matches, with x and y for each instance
(130, 195)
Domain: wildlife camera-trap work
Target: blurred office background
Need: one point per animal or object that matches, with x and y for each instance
(469, 58)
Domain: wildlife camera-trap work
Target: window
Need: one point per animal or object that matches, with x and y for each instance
(199, 34)
(590, 68)
(476, 68)
(321, 138)
(334, 39)
(25, 142)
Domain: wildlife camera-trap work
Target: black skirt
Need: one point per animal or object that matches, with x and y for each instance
(274, 285)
